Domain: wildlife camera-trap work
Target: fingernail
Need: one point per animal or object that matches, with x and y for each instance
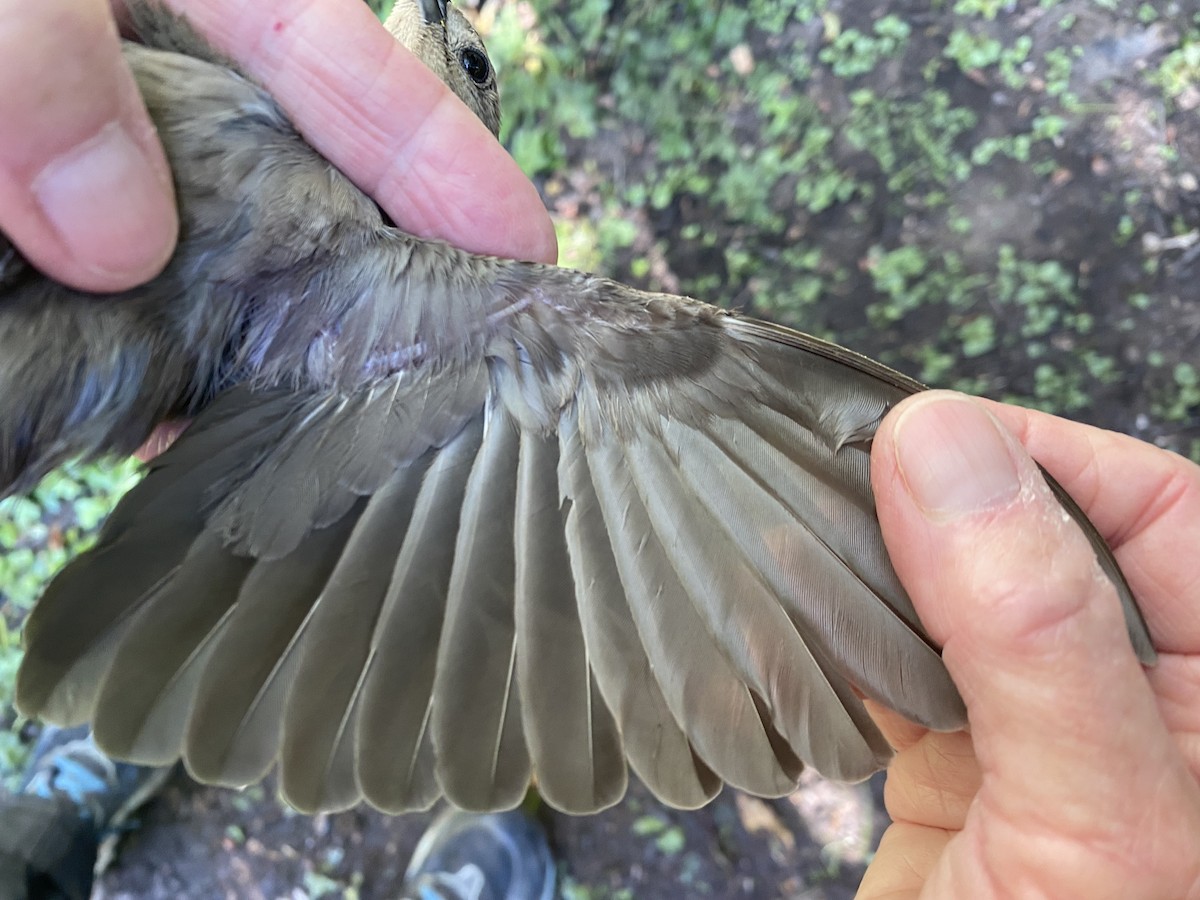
(110, 204)
(953, 458)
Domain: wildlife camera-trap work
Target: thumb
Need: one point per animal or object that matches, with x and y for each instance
(85, 191)
(1031, 629)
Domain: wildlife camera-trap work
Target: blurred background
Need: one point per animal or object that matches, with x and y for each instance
(999, 197)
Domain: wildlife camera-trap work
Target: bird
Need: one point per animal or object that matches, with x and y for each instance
(446, 525)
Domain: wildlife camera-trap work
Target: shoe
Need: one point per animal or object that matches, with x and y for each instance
(67, 764)
(46, 851)
(499, 856)
(73, 803)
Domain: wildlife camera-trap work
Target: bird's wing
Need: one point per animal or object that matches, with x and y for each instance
(631, 529)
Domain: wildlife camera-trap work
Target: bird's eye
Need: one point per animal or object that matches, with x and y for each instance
(475, 64)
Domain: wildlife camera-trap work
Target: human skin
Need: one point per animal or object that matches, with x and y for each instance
(85, 192)
(1079, 775)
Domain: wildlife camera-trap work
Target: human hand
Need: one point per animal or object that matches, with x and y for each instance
(85, 192)
(1079, 777)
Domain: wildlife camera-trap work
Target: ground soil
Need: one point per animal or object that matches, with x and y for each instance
(195, 842)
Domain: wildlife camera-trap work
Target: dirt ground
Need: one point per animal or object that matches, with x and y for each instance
(200, 843)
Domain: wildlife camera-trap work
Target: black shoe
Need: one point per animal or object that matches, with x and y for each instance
(499, 856)
(67, 764)
(73, 803)
(46, 851)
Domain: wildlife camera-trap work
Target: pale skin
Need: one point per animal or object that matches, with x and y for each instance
(1080, 775)
(84, 188)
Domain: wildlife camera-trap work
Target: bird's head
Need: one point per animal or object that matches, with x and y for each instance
(442, 38)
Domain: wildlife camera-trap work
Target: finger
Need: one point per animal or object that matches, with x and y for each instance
(385, 120)
(1176, 684)
(907, 854)
(1144, 501)
(1031, 630)
(933, 781)
(898, 731)
(85, 192)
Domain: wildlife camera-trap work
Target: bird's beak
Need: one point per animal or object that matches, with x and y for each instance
(433, 11)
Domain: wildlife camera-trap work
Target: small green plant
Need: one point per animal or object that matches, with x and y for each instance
(1179, 70)
(1181, 402)
(1041, 290)
(985, 9)
(973, 51)
(914, 140)
(1059, 63)
(854, 52)
(910, 278)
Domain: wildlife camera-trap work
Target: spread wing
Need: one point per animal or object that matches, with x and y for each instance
(642, 537)
(469, 523)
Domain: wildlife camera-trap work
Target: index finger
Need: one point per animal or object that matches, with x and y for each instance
(372, 108)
